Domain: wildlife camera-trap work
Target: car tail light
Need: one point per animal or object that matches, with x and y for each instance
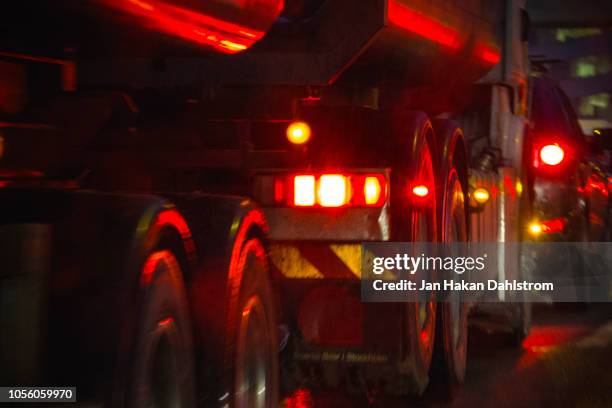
(552, 154)
(549, 155)
(331, 190)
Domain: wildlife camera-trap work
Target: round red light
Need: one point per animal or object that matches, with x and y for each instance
(420, 191)
(552, 154)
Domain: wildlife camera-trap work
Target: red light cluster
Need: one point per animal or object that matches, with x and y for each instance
(331, 190)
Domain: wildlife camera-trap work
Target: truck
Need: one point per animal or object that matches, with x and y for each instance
(186, 187)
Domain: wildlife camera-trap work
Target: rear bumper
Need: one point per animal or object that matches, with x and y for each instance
(334, 336)
(336, 339)
(339, 225)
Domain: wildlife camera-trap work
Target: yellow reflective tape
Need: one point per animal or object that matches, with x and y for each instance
(288, 260)
(350, 254)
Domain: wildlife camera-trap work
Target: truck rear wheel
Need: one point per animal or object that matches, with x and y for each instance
(163, 371)
(255, 344)
(415, 223)
(422, 314)
(521, 311)
(421, 321)
(451, 347)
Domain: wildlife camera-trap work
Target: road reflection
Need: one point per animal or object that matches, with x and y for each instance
(564, 362)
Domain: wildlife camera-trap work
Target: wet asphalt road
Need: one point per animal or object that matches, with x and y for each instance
(565, 362)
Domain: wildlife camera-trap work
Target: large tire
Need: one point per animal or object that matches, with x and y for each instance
(451, 342)
(255, 346)
(522, 311)
(415, 225)
(163, 374)
(522, 323)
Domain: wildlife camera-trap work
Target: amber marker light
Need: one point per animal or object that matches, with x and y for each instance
(298, 133)
(535, 228)
(519, 187)
(481, 195)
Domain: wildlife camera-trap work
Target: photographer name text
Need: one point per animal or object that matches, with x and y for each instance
(461, 285)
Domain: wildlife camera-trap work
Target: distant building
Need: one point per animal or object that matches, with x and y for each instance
(575, 37)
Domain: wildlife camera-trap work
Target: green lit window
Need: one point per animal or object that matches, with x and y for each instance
(585, 69)
(590, 104)
(591, 66)
(564, 34)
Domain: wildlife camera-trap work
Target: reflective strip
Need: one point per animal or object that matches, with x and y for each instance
(317, 260)
(351, 256)
(288, 260)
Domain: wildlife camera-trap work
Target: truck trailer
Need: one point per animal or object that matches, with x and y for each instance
(186, 187)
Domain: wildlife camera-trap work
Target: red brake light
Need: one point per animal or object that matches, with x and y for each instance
(304, 191)
(333, 190)
(552, 154)
(420, 191)
(372, 190)
(421, 194)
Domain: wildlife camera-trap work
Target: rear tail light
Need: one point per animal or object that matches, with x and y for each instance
(552, 154)
(420, 191)
(332, 190)
(372, 190)
(304, 191)
(549, 155)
